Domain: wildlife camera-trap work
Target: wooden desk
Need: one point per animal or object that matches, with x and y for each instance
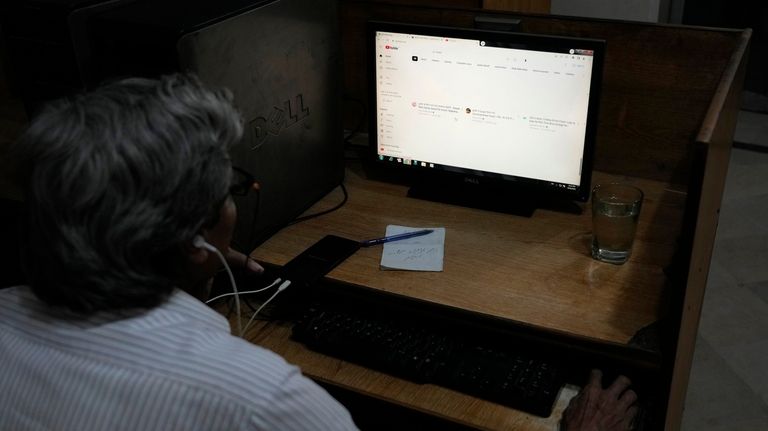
(534, 271)
(668, 111)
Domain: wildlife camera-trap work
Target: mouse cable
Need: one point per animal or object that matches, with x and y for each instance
(277, 280)
(282, 287)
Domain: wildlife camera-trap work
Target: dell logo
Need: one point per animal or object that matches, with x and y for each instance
(471, 180)
(277, 120)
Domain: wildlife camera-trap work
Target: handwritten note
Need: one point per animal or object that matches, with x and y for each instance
(422, 253)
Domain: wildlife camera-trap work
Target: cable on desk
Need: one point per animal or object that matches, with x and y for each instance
(330, 210)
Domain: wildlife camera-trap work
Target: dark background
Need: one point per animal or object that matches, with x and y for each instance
(739, 14)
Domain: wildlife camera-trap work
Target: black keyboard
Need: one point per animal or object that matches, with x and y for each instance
(424, 351)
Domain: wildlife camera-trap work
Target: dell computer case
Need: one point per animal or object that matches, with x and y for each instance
(280, 58)
(281, 61)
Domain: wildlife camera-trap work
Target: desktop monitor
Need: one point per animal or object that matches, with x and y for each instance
(499, 120)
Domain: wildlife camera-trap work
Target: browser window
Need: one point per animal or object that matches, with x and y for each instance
(482, 105)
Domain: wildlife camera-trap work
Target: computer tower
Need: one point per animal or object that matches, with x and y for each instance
(282, 61)
(280, 58)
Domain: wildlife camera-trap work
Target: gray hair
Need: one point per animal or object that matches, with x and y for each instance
(118, 181)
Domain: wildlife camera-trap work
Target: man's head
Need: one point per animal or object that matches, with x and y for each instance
(118, 183)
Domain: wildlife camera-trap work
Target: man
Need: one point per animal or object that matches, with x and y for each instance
(110, 334)
(107, 336)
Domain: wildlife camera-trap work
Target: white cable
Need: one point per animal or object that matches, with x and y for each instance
(247, 292)
(282, 287)
(234, 288)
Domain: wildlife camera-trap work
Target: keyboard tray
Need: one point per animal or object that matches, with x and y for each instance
(423, 351)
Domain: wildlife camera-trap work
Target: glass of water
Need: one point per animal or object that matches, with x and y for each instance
(615, 210)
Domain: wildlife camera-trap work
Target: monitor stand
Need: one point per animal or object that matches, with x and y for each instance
(489, 199)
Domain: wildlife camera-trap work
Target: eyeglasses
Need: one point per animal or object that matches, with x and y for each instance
(242, 182)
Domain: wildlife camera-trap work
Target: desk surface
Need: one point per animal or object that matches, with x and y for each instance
(535, 271)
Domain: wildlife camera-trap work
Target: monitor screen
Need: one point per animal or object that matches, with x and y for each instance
(512, 111)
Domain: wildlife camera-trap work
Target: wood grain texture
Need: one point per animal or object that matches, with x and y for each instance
(535, 271)
(716, 138)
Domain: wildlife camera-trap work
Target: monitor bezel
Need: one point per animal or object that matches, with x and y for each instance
(492, 182)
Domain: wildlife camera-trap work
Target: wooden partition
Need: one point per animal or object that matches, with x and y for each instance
(668, 110)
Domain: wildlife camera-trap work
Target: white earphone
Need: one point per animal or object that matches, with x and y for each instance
(199, 242)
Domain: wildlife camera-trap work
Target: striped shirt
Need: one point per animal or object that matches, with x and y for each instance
(175, 367)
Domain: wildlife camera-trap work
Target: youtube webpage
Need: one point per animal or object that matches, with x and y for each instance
(463, 103)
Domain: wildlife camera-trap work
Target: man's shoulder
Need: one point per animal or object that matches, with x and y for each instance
(226, 352)
(212, 354)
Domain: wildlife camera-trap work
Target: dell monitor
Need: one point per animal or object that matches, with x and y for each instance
(498, 120)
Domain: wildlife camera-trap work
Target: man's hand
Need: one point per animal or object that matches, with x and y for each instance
(598, 409)
(236, 259)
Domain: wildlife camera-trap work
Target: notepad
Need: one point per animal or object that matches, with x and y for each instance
(423, 253)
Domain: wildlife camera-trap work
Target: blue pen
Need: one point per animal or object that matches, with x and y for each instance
(406, 235)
